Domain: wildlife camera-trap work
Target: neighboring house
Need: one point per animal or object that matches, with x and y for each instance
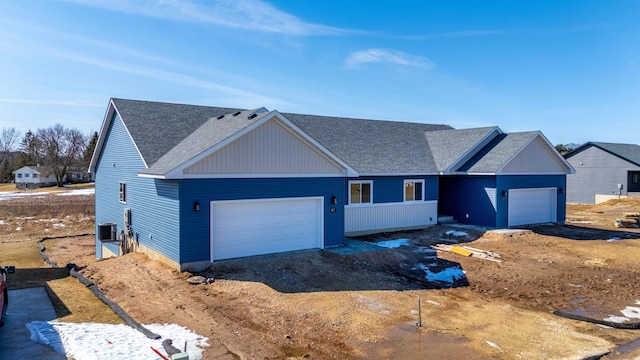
(32, 177)
(603, 170)
(189, 185)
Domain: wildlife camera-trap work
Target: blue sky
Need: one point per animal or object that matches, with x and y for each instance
(568, 68)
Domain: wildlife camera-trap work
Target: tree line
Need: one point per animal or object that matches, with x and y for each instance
(58, 149)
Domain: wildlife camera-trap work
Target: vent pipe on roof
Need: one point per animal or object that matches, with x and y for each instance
(237, 113)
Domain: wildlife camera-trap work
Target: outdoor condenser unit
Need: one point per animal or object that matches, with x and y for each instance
(107, 232)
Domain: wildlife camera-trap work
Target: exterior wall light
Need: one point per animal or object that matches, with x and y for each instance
(196, 206)
(334, 200)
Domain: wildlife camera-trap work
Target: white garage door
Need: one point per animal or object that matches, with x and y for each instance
(532, 206)
(254, 227)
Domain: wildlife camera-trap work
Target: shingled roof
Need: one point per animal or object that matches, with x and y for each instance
(628, 152)
(168, 135)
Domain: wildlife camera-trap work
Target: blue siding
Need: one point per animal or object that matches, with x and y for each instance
(195, 225)
(472, 195)
(389, 189)
(153, 203)
(507, 182)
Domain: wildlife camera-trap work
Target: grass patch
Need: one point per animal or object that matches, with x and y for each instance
(7, 187)
(76, 303)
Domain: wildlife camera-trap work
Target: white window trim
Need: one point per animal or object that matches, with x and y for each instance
(120, 184)
(370, 182)
(404, 187)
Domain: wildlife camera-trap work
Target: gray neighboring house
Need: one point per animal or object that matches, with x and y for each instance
(603, 171)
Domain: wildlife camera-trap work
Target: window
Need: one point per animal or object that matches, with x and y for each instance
(635, 178)
(123, 192)
(35, 176)
(413, 190)
(360, 192)
(19, 175)
(26, 175)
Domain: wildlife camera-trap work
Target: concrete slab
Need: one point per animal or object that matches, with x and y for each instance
(352, 246)
(26, 305)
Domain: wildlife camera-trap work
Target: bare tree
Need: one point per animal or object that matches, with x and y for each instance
(8, 140)
(60, 149)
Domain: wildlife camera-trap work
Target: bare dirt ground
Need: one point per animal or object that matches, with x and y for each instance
(321, 305)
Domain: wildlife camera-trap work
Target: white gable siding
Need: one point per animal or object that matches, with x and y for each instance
(269, 149)
(597, 172)
(534, 158)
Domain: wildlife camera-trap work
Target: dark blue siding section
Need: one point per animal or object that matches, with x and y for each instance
(195, 232)
(390, 189)
(154, 204)
(507, 182)
(469, 195)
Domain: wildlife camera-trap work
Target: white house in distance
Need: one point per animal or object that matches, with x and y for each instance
(32, 177)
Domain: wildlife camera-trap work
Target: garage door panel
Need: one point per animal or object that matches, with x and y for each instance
(532, 206)
(254, 227)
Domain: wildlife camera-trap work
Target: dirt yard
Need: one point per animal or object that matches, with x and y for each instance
(321, 305)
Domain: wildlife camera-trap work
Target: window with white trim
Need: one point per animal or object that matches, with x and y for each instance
(26, 175)
(19, 175)
(35, 176)
(413, 190)
(360, 192)
(123, 192)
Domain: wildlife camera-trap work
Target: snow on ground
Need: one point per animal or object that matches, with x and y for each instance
(630, 312)
(106, 341)
(1, 222)
(456, 233)
(4, 195)
(391, 244)
(88, 191)
(448, 275)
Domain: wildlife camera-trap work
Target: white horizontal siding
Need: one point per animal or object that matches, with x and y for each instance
(366, 218)
(535, 158)
(268, 149)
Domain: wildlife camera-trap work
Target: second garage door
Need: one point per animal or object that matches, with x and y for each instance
(254, 227)
(532, 206)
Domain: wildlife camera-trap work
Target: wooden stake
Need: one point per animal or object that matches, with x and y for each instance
(419, 313)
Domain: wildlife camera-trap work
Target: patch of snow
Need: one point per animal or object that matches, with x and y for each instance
(2, 222)
(425, 250)
(59, 225)
(613, 239)
(631, 312)
(72, 192)
(391, 244)
(494, 345)
(573, 221)
(26, 218)
(433, 302)
(106, 341)
(616, 319)
(456, 233)
(448, 275)
(18, 228)
(4, 195)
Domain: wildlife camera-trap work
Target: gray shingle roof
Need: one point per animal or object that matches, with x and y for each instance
(373, 146)
(447, 146)
(629, 152)
(156, 127)
(495, 155)
(168, 135)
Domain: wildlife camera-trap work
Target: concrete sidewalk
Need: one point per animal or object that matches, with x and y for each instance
(26, 305)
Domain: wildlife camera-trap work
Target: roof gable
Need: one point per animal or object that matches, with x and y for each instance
(627, 152)
(452, 147)
(267, 150)
(518, 153)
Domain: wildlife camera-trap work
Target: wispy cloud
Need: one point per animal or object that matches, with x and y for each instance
(452, 34)
(388, 56)
(49, 102)
(255, 15)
